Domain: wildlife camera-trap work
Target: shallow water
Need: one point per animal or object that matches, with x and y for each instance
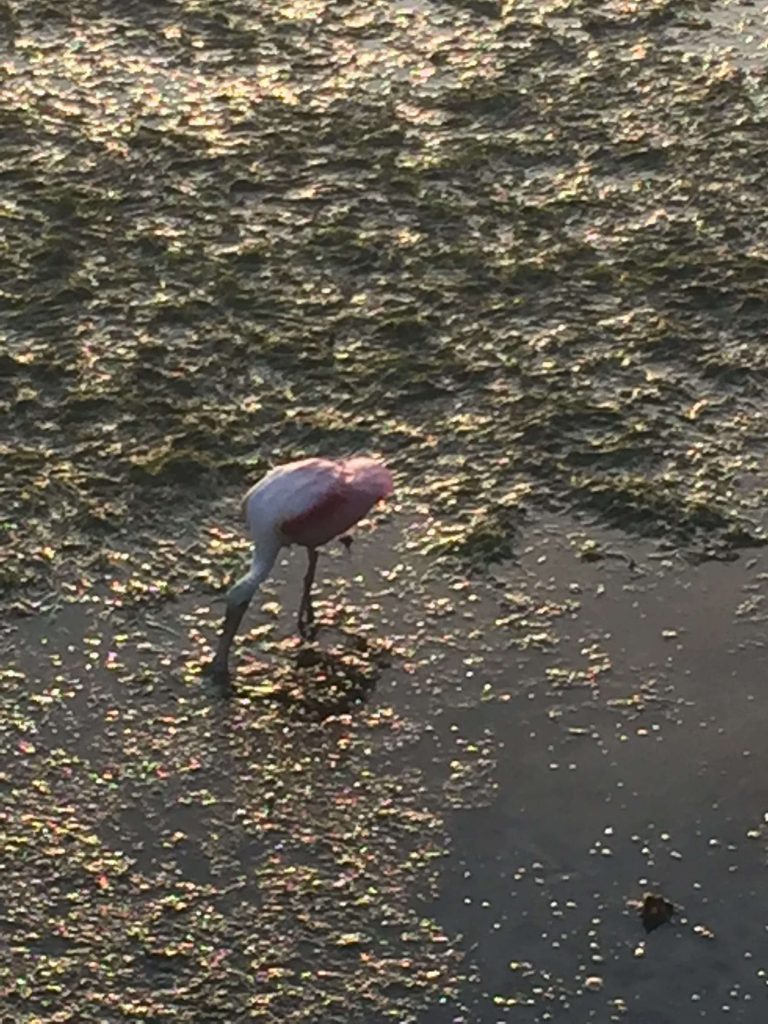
(516, 252)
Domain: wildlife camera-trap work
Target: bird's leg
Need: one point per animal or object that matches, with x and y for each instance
(220, 664)
(306, 611)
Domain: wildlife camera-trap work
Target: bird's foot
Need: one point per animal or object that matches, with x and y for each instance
(219, 672)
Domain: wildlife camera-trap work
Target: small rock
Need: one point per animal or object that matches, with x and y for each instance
(655, 911)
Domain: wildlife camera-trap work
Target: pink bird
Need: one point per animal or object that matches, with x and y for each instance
(308, 502)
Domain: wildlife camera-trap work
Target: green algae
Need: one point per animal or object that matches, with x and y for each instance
(327, 260)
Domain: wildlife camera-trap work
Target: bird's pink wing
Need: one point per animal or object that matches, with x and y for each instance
(320, 518)
(348, 494)
(314, 500)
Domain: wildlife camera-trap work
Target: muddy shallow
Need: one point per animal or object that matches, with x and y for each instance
(516, 252)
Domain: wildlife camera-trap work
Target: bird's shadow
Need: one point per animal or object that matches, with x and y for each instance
(312, 681)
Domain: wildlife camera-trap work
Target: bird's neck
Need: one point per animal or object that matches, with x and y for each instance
(264, 554)
(263, 559)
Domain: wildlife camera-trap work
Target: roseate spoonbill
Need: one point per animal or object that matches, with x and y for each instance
(309, 503)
